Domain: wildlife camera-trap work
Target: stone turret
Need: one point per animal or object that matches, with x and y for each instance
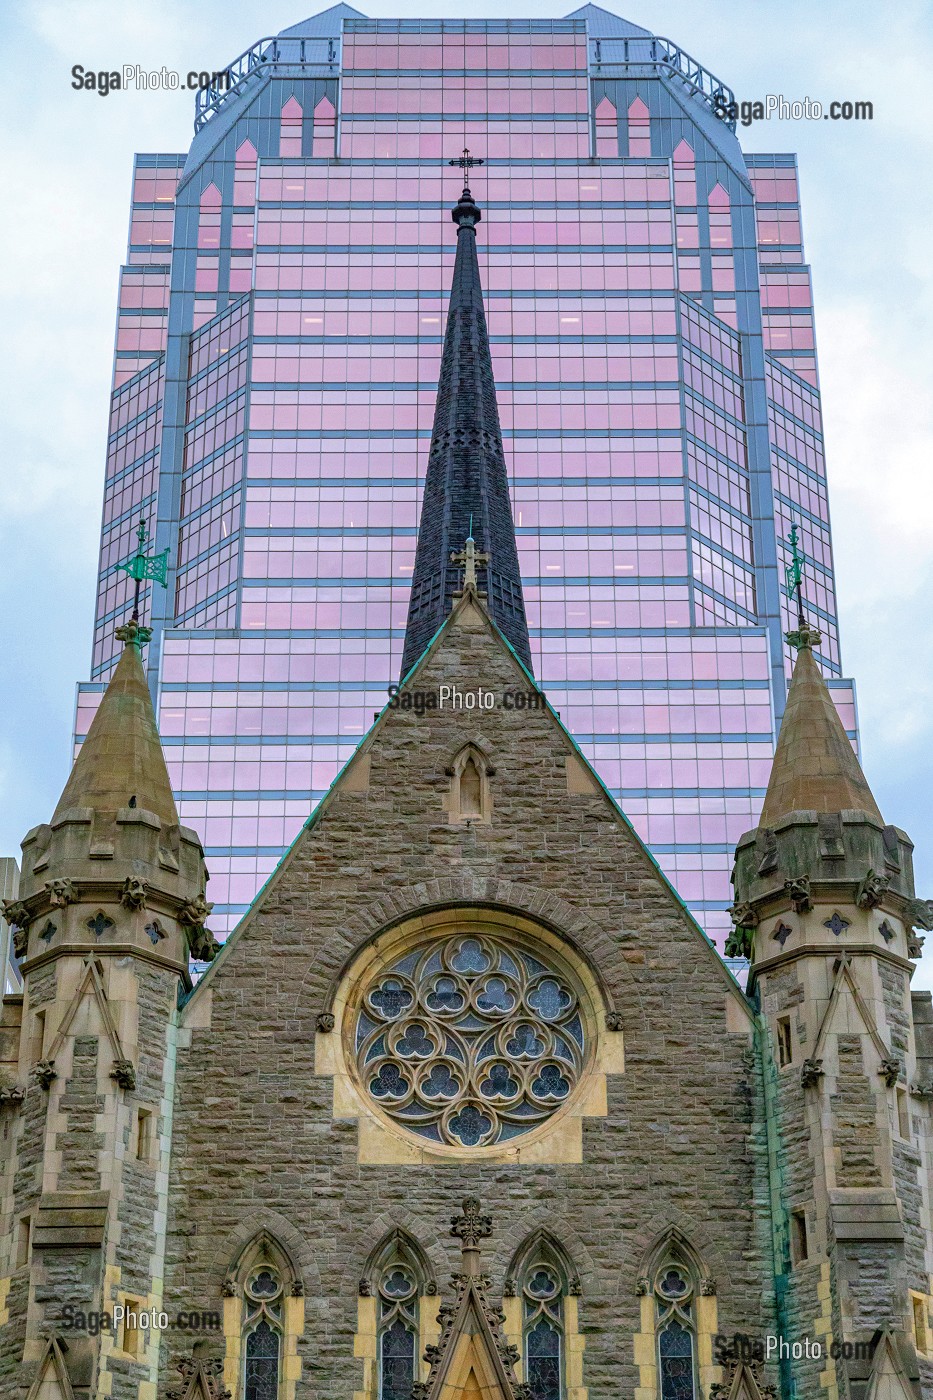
(826, 911)
(109, 910)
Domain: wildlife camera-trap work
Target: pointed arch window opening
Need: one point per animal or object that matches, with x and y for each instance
(674, 1290)
(607, 129)
(324, 130)
(262, 1333)
(290, 129)
(543, 1290)
(399, 1286)
(639, 129)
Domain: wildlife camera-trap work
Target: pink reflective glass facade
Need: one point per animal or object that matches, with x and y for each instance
(639, 300)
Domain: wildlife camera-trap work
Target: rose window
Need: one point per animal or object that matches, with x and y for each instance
(470, 1042)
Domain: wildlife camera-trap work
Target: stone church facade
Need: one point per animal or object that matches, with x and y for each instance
(468, 1107)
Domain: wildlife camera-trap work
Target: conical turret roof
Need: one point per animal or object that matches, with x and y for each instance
(815, 768)
(121, 758)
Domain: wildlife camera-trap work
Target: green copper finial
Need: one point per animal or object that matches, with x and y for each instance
(804, 635)
(143, 566)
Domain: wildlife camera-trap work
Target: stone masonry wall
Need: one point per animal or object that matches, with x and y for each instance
(255, 1141)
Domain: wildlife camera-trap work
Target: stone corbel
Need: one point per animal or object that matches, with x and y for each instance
(922, 1089)
(12, 1095)
(324, 1021)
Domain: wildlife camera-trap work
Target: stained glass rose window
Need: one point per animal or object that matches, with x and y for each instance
(470, 1041)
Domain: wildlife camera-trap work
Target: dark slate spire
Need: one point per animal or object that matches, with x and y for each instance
(466, 491)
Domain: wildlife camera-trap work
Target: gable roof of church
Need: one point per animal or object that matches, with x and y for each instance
(815, 768)
(470, 601)
(121, 763)
(466, 489)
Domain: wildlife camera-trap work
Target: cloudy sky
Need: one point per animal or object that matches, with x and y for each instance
(868, 209)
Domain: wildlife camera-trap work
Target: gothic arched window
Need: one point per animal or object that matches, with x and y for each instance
(265, 1280)
(396, 1277)
(543, 1329)
(398, 1330)
(262, 1333)
(676, 1332)
(542, 1276)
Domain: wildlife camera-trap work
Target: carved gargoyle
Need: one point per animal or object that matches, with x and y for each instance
(798, 892)
(134, 893)
(811, 1071)
(124, 1073)
(871, 890)
(890, 1068)
(60, 893)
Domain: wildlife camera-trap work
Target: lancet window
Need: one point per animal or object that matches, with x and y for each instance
(674, 1288)
(262, 1333)
(397, 1278)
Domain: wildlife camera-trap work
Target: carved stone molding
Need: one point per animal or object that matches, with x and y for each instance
(324, 1022)
(614, 1021)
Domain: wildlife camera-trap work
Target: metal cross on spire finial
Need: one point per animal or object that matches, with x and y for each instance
(805, 635)
(142, 566)
(466, 161)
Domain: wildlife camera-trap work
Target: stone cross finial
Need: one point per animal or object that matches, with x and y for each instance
(471, 1227)
(470, 559)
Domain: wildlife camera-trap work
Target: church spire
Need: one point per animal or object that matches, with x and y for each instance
(466, 478)
(120, 763)
(815, 768)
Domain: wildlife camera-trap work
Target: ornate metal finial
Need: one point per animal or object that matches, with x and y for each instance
(133, 634)
(466, 213)
(143, 566)
(472, 1226)
(805, 636)
(470, 559)
(466, 161)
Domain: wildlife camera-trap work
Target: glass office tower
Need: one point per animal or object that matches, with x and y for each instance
(279, 337)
